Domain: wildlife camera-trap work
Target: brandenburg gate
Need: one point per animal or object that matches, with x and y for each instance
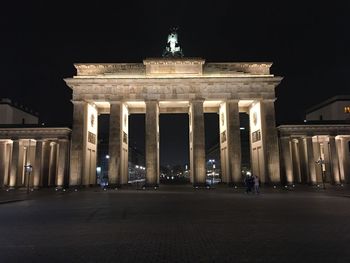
(174, 85)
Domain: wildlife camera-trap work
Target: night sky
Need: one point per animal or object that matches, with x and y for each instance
(308, 43)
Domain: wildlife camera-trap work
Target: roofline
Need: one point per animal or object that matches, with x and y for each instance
(327, 102)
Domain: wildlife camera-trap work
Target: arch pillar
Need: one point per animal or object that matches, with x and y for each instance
(230, 142)
(197, 143)
(118, 144)
(84, 144)
(152, 143)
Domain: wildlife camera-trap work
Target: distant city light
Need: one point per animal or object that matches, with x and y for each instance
(242, 128)
(107, 156)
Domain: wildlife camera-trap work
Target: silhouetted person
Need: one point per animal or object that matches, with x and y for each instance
(249, 182)
(256, 184)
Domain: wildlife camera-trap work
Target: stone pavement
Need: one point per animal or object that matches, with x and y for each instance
(176, 224)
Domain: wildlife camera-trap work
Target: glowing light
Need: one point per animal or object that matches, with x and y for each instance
(107, 156)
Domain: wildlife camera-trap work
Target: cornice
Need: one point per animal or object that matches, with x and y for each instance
(34, 133)
(331, 129)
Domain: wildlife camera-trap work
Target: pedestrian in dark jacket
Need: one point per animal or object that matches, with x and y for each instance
(249, 182)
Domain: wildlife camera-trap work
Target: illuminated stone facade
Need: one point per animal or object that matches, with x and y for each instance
(174, 85)
(45, 150)
(315, 154)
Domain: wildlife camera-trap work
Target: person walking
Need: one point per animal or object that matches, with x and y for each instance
(248, 183)
(256, 184)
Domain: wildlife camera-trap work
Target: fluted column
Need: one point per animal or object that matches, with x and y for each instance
(63, 145)
(270, 140)
(234, 140)
(311, 161)
(230, 142)
(296, 161)
(77, 154)
(334, 160)
(287, 159)
(152, 143)
(118, 144)
(346, 158)
(303, 160)
(197, 136)
(38, 163)
(14, 163)
(53, 164)
(8, 163)
(3, 157)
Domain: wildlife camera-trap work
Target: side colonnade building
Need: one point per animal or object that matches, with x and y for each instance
(44, 150)
(315, 154)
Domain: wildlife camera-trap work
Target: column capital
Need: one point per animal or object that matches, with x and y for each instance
(232, 100)
(115, 102)
(63, 140)
(197, 100)
(151, 100)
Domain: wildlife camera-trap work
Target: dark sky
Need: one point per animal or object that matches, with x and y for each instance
(307, 41)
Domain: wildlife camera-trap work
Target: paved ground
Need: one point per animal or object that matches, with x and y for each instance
(176, 224)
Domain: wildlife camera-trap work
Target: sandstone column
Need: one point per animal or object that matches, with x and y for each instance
(38, 163)
(346, 158)
(311, 161)
(197, 136)
(230, 142)
(8, 164)
(340, 158)
(118, 144)
(14, 163)
(270, 140)
(334, 160)
(62, 162)
(152, 143)
(287, 159)
(53, 164)
(76, 157)
(296, 161)
(3, 159)
(303, 160)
